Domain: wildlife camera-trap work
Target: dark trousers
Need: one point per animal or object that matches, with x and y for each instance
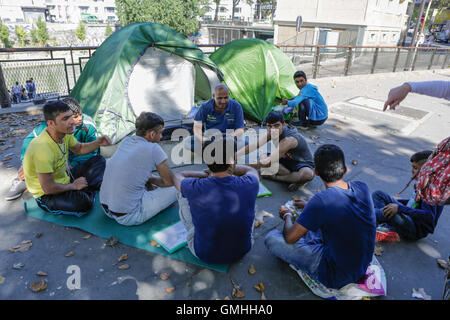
(303, 114)
(77, 202)
(402, 223)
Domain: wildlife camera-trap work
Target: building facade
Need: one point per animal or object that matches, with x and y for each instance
(59, 11)
(341, 22)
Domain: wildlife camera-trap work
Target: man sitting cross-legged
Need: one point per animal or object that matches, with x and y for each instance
(333, 238)
(130, 194)
(46, 166)
(218, 210)
(85, 131)
(412, 220)
(293, 154)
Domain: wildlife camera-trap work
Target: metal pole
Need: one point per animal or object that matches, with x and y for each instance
(416, 54)
(432, 58)
(409, 58)
(397, 56)
(73, 67)
(375, 58)
(348, 63)
(316, 62)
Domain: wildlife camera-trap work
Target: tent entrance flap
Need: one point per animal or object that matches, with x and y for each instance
(162, 83)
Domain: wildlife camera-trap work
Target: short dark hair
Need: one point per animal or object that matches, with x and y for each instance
(421, 156)
(274, 117)
(300, 74)
(72, 103)
(148, 121)
(53, 108)
(329, 162)
(222, 143)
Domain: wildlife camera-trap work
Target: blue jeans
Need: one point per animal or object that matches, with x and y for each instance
(305, 254)
(402, 223)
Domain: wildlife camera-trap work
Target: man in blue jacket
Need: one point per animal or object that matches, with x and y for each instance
(312, 109)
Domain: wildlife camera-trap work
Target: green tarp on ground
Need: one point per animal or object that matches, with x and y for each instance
(257, 73)
(97, 223)
(143, 67)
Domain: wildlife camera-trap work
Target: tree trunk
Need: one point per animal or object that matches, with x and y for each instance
(216, 15)
(5, 100)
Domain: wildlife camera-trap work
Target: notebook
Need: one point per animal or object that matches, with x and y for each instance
(172, 238)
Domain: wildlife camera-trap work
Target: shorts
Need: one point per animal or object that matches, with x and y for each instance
(293, 165)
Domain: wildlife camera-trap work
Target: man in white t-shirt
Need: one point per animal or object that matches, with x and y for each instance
(130, 194)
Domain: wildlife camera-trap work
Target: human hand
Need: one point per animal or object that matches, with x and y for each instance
(284, 101)
(299, 203)
(283, 211)
(79, 183)
(390, 210)
(103, 141)
(397, 95)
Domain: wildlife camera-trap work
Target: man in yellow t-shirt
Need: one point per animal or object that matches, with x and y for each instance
(46, 169)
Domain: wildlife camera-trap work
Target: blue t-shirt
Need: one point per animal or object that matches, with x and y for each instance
(223, 210)
(231, 118)
(346, 219)
(319, 109)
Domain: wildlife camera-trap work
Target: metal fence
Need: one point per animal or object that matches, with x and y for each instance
(56, 70)
(325, 61)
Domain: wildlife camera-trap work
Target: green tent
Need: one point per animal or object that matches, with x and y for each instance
(144, 67)
(257, 73)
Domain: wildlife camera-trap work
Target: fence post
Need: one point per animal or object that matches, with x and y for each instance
(375, 58)
(432, 58)
(445, 60)
(316, 62)
(5, 101)
(416, 54)
(73, 67)
(348, 63)
(397, 56)
(67, 76)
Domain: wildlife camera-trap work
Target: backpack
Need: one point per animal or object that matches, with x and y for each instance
(434, 176)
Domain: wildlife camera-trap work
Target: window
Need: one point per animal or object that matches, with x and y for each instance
(237, 10)
(109, 9)
(96, 9)
(223, 9)
(84, 9)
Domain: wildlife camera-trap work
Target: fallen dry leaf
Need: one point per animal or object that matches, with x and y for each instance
(2, 279)
(442, 263)
(164, 276)
(354, 162)
(252, 270)
(38, 286)
(259, 287)
(314, 137)
(263, 296)
(153, 243)
(226, 298)
(18, 266)
(258, 223)
(378, 251)
(25, 245)
(337, 126)
(124, 267)
(170, 290)
(41, 273)
(38, 235)
(266, 214)
(123, 257)
(87, 236)
(70, 254)
(112, 241)
(236, 293)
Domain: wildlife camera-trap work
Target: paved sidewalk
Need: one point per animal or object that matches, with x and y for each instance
(376, 141)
